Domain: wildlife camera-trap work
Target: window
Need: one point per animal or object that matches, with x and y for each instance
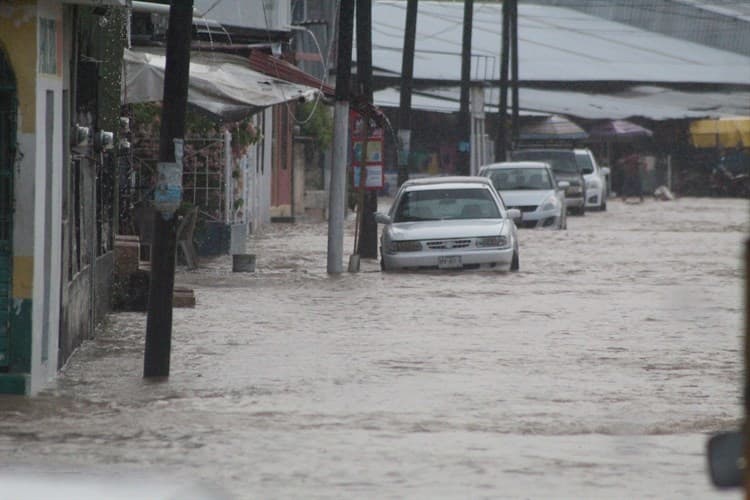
(47, 46)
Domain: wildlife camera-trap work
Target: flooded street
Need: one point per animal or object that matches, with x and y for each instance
(596, 371)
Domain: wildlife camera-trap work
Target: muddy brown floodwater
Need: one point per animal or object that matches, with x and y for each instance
(597, 371)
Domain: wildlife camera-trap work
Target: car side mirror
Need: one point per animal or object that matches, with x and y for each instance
(563, 184)
(725, 459)
(605, 170)
(382, 218)
(514, 213)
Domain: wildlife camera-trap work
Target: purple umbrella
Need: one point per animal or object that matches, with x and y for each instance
(618, 130)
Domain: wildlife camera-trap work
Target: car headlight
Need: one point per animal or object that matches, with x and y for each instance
(405, 246)
(550, 203)
(492, 241)
(593, 184)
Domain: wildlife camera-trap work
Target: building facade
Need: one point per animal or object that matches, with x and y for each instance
(57, 188)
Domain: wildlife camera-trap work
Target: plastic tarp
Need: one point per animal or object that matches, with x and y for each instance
(221, 84)
(727, 132)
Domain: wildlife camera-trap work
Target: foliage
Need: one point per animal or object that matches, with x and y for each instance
(244, 135)
(146, 114)
(316, 122)
(147, 120)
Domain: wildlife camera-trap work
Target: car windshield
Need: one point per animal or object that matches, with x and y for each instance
(446, 204)
(508, 179)
(585, 163)
(561, 161)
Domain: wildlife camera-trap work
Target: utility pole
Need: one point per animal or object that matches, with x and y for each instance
(337, 191)
(514, 70)
(464, 120)
(502, 141)
(368, 228)
(746, 388)
(407, 80)
(163, 250)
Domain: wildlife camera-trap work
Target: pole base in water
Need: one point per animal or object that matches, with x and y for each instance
(243, 263)
(354, 263)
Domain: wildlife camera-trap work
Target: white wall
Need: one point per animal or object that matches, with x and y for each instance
(47, 246)
(263, 14)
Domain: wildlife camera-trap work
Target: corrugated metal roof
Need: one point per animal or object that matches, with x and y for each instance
(656, 103)
(739, 9)
(555, 44)
(270, 65)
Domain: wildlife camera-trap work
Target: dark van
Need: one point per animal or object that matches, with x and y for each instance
(565, 168)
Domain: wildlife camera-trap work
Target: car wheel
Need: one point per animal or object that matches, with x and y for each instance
(603, 206)
(564, 222)
(514, 263)
(382, 261)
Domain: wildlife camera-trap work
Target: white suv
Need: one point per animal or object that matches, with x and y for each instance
(596, 177)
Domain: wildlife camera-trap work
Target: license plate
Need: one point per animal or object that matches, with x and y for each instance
(449, 262)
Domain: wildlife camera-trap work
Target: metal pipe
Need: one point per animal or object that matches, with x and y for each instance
(154, 8)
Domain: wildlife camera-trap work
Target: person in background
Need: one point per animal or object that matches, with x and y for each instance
(631, 164)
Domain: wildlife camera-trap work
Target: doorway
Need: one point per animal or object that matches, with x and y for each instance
(8, 110)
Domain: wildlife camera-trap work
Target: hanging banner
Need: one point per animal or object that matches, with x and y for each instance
(366, 152)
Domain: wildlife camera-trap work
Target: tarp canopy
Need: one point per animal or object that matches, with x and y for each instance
(726, 132)
(221, 84)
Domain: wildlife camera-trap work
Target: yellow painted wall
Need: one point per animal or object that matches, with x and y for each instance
(18, 39)
(23, 277)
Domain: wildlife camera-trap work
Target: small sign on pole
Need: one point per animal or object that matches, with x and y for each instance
(168, 191)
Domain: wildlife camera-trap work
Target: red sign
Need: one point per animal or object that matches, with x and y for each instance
(366, 152)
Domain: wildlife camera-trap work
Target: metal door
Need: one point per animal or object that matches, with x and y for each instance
(7, 156)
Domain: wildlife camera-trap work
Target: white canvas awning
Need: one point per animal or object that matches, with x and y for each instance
(221, 84)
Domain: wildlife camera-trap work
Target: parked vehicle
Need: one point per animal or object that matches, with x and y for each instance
(724, 182)
(449, 223)
(566, 168)
(596, 178)
(530, 187)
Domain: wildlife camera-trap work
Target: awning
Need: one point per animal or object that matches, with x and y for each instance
(727, 132)
(221, 84)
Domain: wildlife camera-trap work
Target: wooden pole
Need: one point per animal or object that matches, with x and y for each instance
(502, 141)
(407, 80)
(163, 252)
(464, 120)
(367, 243)
(514, 70)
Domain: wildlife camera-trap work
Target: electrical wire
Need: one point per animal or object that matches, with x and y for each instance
(325, 60)
(212, 7)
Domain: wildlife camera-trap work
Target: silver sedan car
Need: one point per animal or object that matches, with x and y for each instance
(530, 187)
(449, 223)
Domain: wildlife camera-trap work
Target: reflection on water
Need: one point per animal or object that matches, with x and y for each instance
(596, 371)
